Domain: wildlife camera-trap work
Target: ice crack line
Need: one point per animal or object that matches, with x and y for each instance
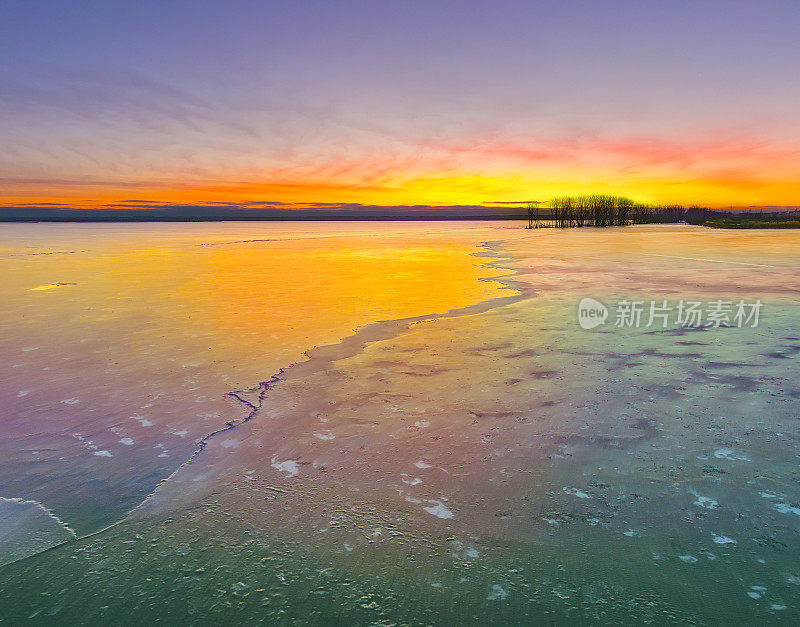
(44, 508)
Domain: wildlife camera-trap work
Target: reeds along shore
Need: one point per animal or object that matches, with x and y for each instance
(601, 210)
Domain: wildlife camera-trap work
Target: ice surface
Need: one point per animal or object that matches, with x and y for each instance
(612, 476)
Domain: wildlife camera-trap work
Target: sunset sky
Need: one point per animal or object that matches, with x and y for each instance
(395, 103)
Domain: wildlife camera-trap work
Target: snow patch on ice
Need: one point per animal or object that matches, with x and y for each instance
(705, 502)
(785, 508)
(576, 492)
(290, 467)
(439, 510)
(731, 455)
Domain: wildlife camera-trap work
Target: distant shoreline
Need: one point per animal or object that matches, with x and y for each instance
(711, 218)
(232, 219)
(752, 224)
(216, 214)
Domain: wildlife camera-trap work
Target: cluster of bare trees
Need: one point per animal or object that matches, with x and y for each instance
(594, 210)
(604, 210)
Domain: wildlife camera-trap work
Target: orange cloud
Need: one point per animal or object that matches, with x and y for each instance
(721, 171)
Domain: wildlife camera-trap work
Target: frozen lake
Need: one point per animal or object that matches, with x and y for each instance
(470, 453)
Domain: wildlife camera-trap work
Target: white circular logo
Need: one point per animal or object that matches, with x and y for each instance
(591, 313)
